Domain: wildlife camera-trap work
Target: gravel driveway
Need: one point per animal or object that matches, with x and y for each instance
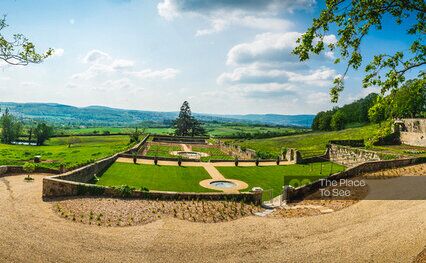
(369, 231)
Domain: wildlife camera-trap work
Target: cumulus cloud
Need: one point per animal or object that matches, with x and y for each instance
(168, 73)
(266, 68)
(268, 47)
(96, 57)
(170, 9)
(259, 14)
(58, 52)
(119, 73)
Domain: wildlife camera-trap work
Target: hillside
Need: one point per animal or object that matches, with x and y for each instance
(310, 144)
(104, 116)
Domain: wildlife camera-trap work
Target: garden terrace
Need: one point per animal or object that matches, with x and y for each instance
(156, 177)
(272, 177)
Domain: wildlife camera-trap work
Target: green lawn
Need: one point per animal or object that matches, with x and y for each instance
(163, 150)
(56, 151)
(224, 130)
(310, 144)
(272, 177)
(215, 154)
(156, 177)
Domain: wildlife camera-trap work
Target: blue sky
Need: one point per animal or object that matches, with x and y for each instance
(223, 56)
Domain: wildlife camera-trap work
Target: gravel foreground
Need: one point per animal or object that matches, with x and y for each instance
(367, 231)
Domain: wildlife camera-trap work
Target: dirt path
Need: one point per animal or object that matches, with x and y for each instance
(185, 148)
(369, 231)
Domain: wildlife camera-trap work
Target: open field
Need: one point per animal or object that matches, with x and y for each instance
(112, 130)
(402, 149)
(310, 144)
(213, 129)
(229, 130)
(163, 150)
(272, 177)
(156, 177)
(57, 152)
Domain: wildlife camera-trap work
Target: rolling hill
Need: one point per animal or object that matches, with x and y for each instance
(60, 114)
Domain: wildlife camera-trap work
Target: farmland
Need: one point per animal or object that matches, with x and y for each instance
(309, 144)
(57, 152)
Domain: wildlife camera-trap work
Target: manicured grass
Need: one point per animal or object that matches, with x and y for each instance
(156, 177)
(163, 150)
(56, 151)
(214, 154)
(310, 144)
(272, 177)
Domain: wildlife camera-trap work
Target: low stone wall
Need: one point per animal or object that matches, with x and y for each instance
(138, 146)
(237, 151)
(350, 156)
(299, 193)
(174, 159)
(180, 139)
(60, 188)
(412, 131)
(16, 169)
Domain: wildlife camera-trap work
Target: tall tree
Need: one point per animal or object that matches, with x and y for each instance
(183, 124)
(19, 50)
(11, 128)
(42, 132)
(186, 124)
(353, 21)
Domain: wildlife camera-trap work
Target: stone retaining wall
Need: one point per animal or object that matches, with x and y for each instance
(17, 169)
(412, 131)
(61, 188)
(237, 151)
(349, 156)
(299, 193)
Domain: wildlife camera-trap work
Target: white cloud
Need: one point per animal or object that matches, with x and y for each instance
(266, 69)
(167, 10)
(105, 72)
(29, 84)
(258, 14)
(122, 64)
(72, 21)
(96, 57)
(168, 73)
(219, 23)
(58, 52)
(267, 47)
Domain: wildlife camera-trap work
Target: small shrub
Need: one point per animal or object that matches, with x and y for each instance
(236, 161)
(125, 191)
(29, 168)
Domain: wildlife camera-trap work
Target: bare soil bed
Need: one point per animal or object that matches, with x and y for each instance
(123, 212)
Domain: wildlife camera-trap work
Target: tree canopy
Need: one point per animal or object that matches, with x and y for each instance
(19, 50)
(338, 117)
(356, 19)
(407, 102)
(11, 128)
(186, 124)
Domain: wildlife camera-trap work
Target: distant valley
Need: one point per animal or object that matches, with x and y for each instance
(60, 114)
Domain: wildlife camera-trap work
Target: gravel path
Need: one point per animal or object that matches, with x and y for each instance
(368, 231)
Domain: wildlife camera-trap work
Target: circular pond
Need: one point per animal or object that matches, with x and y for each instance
(223, 184)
